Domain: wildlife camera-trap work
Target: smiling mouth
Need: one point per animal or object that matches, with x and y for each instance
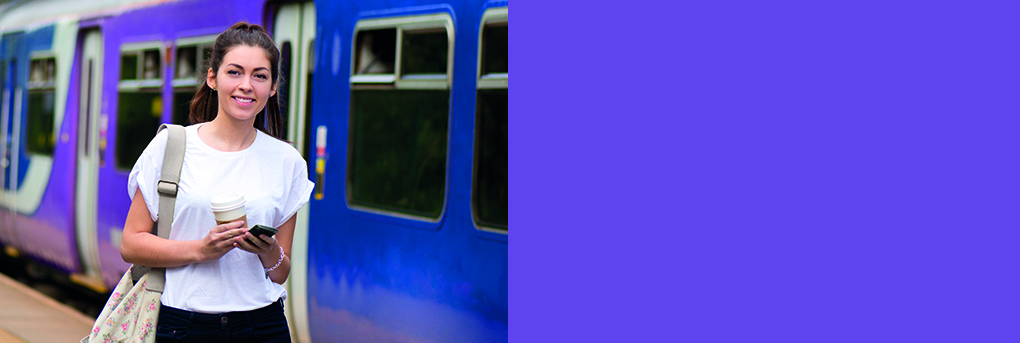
(243, 100)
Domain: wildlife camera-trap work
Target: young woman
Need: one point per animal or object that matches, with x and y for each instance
(221, 282)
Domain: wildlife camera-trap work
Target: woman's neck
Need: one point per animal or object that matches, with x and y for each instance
(227, 135)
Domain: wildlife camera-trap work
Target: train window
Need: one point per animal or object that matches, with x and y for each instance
(182, 106)
(129, 67)
(308, 105)
(141, 66)
(41, 102)
(189, 72)
(424, 52)
(139, 101)
(399, 127)
(138, 117)
(187, 64)
(150, 69)
(495, 39)
(185, 79)
(376, 50)
(490, 182)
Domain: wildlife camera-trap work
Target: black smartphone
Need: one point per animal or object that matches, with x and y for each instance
(260, 229)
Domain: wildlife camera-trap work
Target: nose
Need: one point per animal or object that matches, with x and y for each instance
(245, 84)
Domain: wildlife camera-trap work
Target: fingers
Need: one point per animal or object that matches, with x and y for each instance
(231, 225)
(258, 245)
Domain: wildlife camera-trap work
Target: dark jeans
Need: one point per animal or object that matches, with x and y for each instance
(267, 324)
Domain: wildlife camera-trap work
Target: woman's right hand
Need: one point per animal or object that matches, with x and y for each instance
(220, 239)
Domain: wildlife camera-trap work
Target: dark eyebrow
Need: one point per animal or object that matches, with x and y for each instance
(242, 68)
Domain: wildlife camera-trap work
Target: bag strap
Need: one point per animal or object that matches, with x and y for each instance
(173, 159)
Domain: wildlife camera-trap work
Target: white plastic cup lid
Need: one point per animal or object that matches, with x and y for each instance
(227, 202)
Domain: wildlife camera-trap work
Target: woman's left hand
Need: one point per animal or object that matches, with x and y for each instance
(257, 245)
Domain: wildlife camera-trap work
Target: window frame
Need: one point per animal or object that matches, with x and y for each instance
(396, 82)
(198, 42)
(486, 81)
(141, 84)
(403, 24)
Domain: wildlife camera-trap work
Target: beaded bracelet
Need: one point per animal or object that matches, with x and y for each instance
(277, 262)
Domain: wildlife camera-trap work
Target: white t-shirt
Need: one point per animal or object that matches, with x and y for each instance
(272, 177)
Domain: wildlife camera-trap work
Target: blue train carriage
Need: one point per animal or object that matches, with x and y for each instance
(408, 237)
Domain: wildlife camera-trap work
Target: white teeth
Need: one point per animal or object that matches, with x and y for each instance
(244, 100)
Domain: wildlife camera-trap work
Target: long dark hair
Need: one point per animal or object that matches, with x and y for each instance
(205, 106)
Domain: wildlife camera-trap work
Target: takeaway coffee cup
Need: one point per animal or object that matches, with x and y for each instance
(228, 207)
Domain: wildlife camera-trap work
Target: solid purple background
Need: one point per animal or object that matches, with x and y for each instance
(748, 172)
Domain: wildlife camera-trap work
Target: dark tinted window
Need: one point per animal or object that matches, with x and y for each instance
(282, 89)
(424, 52)
(490, 194)
(129, 67)
(138, 117)
(182, 105)
(40, 139)
(494, 49)
(398, 150)
(308, 106)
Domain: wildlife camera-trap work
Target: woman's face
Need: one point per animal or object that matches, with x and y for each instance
(243, 83)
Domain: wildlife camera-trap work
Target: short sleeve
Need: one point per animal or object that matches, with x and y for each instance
(300, 191)
(146, 172)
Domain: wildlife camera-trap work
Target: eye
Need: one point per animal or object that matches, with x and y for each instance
(233, 72)
(261, 76)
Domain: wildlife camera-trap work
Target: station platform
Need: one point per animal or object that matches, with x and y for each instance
(29, 316)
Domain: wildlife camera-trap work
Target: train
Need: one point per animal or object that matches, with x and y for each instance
(400, 109)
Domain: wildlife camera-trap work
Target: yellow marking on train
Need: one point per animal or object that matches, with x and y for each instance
(90, 283)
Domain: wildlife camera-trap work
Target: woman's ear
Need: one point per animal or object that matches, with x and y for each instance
(210, 79)
(272, 91)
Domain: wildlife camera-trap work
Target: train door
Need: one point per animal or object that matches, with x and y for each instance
(294, 31)
(88, 155)
(8, 145)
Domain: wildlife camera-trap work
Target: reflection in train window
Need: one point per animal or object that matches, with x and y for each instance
(41, 102)
(150, 68)
(399, 127)
(490, 193)
(187, 63)
(375, 51)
